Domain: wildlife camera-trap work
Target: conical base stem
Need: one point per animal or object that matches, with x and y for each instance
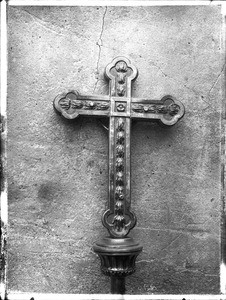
(118, 285)
(117, 260)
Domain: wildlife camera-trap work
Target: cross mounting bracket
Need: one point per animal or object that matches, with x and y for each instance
(118, 252)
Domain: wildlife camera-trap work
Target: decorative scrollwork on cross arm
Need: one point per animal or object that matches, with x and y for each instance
(172, 109)
(72, 104)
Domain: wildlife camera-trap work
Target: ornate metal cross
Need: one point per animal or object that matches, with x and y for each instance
(118, 252)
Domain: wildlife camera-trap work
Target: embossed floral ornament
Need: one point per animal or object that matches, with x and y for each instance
(121, 66)
(121, 107)
(120, 150)
(119, 164)
(121, 77)
(69, 101)
(119, 191)
(121, 124)
(89, 105)
(119, 177)
(173, 109)
(121, 90)
(120, 137)
(65, 103)
(119, 222)
(72, 104)
(119, 205)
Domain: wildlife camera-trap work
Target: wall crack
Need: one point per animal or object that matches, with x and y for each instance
(47, 25)
(99, 44)
(216, 80)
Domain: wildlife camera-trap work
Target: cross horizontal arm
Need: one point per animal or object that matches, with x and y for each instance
(168, 110)
(72, 104)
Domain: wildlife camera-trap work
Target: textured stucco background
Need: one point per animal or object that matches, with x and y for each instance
(57, 169)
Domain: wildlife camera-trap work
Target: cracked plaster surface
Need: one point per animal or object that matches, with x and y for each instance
(58, 169)
(100, 44)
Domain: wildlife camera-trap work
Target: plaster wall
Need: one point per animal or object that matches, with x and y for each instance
(58, 169)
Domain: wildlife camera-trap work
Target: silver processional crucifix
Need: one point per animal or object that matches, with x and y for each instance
(118, 252)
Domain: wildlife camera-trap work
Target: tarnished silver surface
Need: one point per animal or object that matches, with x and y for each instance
(120, 107)
(118, 252)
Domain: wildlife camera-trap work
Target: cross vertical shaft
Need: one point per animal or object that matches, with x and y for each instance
(118, 219)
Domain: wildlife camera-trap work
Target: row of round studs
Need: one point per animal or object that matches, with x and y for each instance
(119, 220)
(121, 69)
